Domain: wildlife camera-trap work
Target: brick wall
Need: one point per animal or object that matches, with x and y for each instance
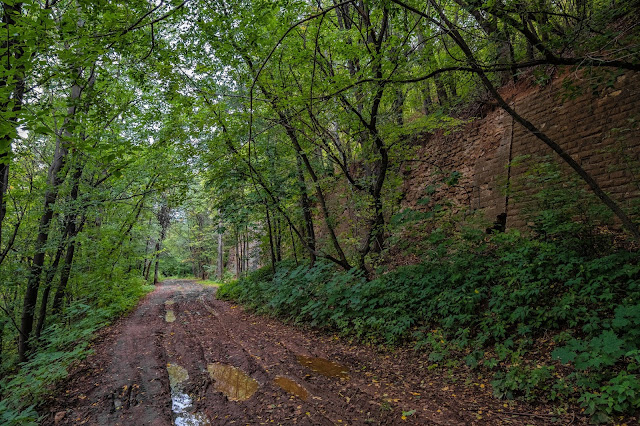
(596, 128)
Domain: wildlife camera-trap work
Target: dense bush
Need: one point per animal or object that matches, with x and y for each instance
(503, 302)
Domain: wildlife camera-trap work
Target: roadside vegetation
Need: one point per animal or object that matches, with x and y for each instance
(552, 315)
(60, 346)
(205, 139)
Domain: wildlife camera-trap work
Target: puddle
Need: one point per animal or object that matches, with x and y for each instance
(181, 403)
(292, 387)
(233, 382)
(324, 366)
(170, 316)
(177, 375)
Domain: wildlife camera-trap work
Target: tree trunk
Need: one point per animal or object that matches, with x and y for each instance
(53, 268)
(70, 232)
(398, 104)
(278, 238)
(238, 254)
(220, 263)
(293, 246)
(305, 204)
(441, 92)
(271, 245)
(147, 261)
(150, 263)
(65, 273)
(157, 261)
(247, 256)
(164, 217)
(55, 179)
(11, 60)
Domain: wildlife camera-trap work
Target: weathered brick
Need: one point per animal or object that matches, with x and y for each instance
(584, 127)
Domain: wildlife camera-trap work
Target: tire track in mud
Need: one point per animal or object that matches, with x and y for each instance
(279, 360)
(332, 400)
(126, 382)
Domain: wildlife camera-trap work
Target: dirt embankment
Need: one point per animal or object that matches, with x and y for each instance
(184, 357)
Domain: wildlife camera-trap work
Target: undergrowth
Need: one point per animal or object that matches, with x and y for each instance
(64, 342)
(550, 318)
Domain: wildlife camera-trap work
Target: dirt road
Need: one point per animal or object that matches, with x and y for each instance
(185, 358)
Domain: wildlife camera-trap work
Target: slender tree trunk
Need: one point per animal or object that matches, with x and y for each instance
(241, 247)
(73, 230)
(12, 61)
(147, 261)
(3, 321)
(238, 254)
(271, 245)
(398, 104)
(293, 247)
(148, 271)
(53, 268)
(164, 217)
(65, 273)
(443, 99)
(247, 255)
(70, 231)
(220, 263)
(305, 204)
(157, 261)
(278, 238)
(55, 179)
(4, 185)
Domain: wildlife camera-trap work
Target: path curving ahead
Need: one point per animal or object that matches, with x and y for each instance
(221, 365)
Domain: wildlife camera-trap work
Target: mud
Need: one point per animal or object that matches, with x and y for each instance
(222, 365)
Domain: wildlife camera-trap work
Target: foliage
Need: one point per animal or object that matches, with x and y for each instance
(491, 300)
(63, 343)
(176, 138)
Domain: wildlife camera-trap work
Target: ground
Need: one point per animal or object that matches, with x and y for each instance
(240, 368)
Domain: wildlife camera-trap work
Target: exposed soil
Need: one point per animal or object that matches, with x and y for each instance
(303, 377)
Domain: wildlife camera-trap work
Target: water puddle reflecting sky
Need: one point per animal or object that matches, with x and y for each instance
(181, 402)
(232, 381)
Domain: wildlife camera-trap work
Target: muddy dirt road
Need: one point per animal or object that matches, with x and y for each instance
(184, 358)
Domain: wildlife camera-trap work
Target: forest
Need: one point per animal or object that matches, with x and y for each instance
(264, 145)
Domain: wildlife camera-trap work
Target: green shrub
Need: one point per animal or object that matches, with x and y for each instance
(516, 306)
(488, 299)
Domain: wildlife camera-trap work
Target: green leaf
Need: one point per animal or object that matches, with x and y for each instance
(564, 354)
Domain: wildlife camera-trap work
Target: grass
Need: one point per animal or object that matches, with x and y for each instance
(209, 283)
(206, 283)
